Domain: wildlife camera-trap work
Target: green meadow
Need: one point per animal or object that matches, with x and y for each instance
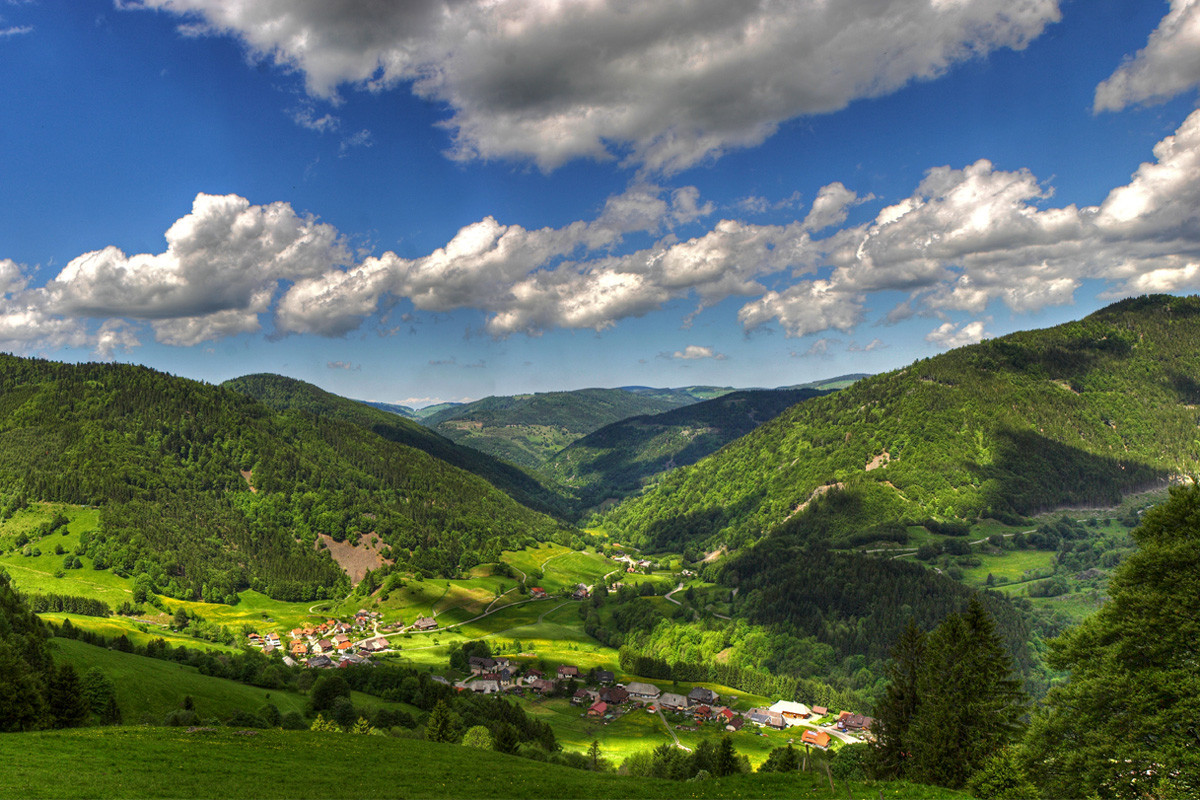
(172, 762)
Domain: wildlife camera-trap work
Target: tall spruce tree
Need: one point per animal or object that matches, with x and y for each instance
(1127, 722)
(895, 712)
(969, 702)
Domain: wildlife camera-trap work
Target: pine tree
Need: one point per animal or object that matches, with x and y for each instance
(1126, 724)
(64, 698)
(894, 714)
(439, 726)
(968, 702)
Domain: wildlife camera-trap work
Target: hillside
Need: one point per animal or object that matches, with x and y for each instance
(283, 394)
(165, 457)
(621, 458)
(214, 762)
(1076, 414)
(528, 429)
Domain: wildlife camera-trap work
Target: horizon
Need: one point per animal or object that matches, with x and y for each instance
(431, 203)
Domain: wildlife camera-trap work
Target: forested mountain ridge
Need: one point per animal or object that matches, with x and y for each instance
(619, 459)
(282, 393)
(207, 491)
(528, 429)
(1077, 413)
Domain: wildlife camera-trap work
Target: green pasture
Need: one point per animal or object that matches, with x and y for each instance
(1015, 565)
(632, 732)
(139, 633)
(172, 763)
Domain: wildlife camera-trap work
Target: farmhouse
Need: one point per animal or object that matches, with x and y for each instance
(568, 672)
(480, 665)
(537, 593)
(815, 738)
(425, 623)
(672, 702)
(542, 686)
(598, 710)
(792, 713)
(855, 722)
(643, 691)
(701, 696)
(819, 711)
(604, 676)
(614, 695)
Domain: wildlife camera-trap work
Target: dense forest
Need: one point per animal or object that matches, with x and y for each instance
(284, 394)
(1075, 414)
(619, 459)
(208, 491)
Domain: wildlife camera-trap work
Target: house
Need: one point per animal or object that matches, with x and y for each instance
(757, 717)
(532, 675)
(580, 697)
(604, 676)
(735, 724)
(502, 663)
(599, 709)
(643, 691)
(344, 646)
(297, 633)
(273, 638)
(702, 713)
(254, 638)
(614, 695)
(701, 696)
(767, 717)
(580, 593)
(819, 711)
(856, 722)
(567, 672)
(341, 637)
(724, 715)
(323, 646)
(815, 738)
(672, 702)
(354, 660)
(542, 686)
(299, 649)
(268, 648)
(537, 593)
(792, 713)
(376, 645)
(320, 662)
(288, 661)
(425, 623)
(485, 686)
(480, 665)
(506, 678)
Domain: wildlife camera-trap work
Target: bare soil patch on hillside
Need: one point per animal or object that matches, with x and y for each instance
(355, 560)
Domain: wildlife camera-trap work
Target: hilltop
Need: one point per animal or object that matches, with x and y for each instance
(1081, 413)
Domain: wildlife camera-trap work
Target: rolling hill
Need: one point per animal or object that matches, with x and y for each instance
(284, 394)
(1076, 414)
(208, 492)
(621, 458)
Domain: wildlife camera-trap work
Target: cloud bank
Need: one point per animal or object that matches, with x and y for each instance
(662, 85)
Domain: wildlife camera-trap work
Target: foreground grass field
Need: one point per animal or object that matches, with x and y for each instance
(170, 762)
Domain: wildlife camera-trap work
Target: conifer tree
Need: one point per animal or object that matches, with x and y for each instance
(439, 726)
(1127, 722)
(895, 712)
(64, 698)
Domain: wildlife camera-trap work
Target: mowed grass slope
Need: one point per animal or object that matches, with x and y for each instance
(149, 688)
(170, 762)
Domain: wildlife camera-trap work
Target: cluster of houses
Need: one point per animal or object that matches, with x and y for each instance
(604, 698)
(325, 645)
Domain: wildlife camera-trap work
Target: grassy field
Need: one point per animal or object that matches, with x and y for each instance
(1014, 565)
(149, 688)
(170, 762)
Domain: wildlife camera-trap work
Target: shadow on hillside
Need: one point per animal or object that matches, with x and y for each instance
(1032, 473)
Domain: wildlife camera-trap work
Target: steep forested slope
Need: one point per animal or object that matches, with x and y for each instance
(1079, 413)
(208, 491)
(528, 429)
(619, 459)
(283, 394)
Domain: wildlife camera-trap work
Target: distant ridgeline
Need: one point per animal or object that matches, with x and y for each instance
(208, 491)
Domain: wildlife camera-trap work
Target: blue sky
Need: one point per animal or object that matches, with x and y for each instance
(437, 200)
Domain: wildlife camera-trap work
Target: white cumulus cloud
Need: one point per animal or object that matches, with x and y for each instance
(663, 84)
(1168, 65)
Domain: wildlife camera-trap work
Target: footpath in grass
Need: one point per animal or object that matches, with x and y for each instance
(173, 763)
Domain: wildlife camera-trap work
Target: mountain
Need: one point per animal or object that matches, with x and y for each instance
(283, 394)
(528, 429)
(403, 411)
(207, 491)
(620, 459)
(1079, 413)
